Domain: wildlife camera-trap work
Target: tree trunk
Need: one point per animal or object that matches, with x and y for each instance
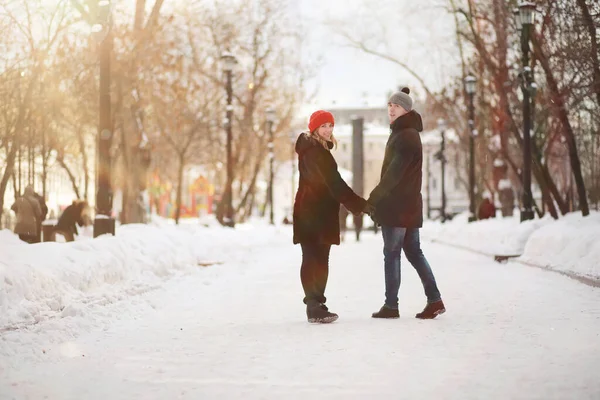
(8, 172)
(544, 180)
(61, 162)
(250, 191)
(591, 27)
(539, 169)
(179, 188)
(561, 112)
(251, 203)
(19, 125)
(84, 164)
(140, 6)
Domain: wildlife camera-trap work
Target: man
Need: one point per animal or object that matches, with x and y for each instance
(399, 208)
(487, 209)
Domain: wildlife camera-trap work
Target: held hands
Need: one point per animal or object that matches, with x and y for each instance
(369, 209)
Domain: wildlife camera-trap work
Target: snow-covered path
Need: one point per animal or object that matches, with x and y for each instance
(238, 330)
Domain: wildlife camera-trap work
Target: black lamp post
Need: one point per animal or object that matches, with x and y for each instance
(229, 62)
(293, 138)
(525, 20)
(442, 128)
(103, 221)
(470, 86)
(270, 113)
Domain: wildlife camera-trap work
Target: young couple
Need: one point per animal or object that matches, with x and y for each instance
(395, 204)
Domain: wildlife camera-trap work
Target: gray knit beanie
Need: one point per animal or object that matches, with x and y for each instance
(402, 98)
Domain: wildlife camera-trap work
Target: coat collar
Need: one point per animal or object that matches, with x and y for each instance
(410, 120)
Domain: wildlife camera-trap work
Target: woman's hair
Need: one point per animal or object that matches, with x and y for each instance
(322, 141)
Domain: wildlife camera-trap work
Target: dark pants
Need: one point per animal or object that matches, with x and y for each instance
(28, 238)
(68, 234)
(314, 271)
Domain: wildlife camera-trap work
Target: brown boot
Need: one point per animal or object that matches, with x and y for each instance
(386, 312)
(432, 310)
(318, 313)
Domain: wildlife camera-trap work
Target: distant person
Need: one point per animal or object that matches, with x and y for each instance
(398, 207)
(44, 209)
(316, 219)
(487, 209)
(73, 215)
(29, 213)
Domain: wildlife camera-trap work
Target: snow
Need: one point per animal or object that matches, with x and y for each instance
(504, 184)
(570, 245)
(493, 236)
(37, 285)
(194, 312)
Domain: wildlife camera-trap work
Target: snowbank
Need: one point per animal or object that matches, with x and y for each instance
(60, 279)
(492, 236)
(570, 245)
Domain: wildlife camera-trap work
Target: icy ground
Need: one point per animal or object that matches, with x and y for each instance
(237, 330)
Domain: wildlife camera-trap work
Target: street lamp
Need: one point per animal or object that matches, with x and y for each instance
(526, 18)
(229, 62)
(442, 157)
(293, 138)
(470, 86)
(270, 113)
(517, 19)
(103, 221)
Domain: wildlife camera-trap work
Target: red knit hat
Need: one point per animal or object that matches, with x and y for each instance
(319, 118)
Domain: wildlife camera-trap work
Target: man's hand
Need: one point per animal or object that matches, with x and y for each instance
(369, 209)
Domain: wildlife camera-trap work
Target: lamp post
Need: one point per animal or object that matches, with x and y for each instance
(270, 113)
(442, 128)
(293, 138)
(525, 20)
(470, 85)
(103, 221)
(229, 62)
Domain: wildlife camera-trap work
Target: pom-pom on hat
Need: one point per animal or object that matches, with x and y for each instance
(319, 118)
(402, 98)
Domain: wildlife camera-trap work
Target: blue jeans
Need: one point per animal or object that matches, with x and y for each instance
(394, 240)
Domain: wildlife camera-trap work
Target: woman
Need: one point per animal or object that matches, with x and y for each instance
(321, 189)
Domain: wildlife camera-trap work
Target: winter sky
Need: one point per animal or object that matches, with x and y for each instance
(419, 33)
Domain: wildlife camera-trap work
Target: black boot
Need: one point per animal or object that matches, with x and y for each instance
(432, 310)
(318, 313)
(386, 312)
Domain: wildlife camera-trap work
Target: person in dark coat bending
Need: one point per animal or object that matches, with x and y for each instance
(399, 207)
(72, 215)
(321, 189)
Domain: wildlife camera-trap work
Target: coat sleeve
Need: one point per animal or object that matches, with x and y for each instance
(322, 169)
(37, 210)
(403, 154)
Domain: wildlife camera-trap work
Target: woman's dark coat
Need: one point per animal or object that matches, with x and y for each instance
(321, 189)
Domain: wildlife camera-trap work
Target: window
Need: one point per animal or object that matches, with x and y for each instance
(456, 183)
(433, 183)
